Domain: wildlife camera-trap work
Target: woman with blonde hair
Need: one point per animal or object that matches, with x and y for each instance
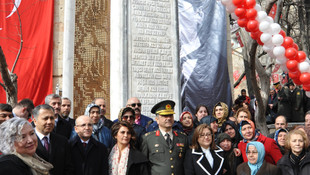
(297, 160)
(243, 113)
(220, 112)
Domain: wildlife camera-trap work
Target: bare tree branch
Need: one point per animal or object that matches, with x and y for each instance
(239, 79)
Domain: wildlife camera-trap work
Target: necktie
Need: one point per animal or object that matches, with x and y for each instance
(84, 144)
(168, 140)
(45, 139)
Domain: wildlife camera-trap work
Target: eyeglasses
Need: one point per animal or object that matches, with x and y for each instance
(125, 117)
(84, 125)
(135, 104)
(3, 115)
(206, 134)
(249, 152)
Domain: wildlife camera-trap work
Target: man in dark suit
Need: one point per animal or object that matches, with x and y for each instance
(165, 148)
(62, 127)
(52, 147)
(65, 110)
(100, 101)
(88, 155)
(140, 119)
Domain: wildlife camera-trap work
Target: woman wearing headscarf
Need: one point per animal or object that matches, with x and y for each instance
(297, 160)
(280, 137)
(229, 127)
(186, 119)
(220, 112)
(249, 134)
(18, 145)
(256, 165)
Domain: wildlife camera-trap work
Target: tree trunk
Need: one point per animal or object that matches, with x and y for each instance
(9, 79)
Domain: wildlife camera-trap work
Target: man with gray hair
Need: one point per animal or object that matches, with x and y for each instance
(62, 127)
(52, 147)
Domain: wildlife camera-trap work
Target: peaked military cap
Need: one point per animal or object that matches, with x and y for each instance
(165, 107)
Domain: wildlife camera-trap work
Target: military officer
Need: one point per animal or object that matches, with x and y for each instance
(284, 104)
(165, 148)
(297, 108)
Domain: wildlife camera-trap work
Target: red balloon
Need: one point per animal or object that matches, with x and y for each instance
(282, 33)
(242, 22)
(297, 81)
(253, 25)
(301, 56)
(290, 53)
(251, 13)
(294, 75)
(240, 12)
(306, 88)
(250, 3)
(295, 46)
(292, 65)
(259, 41)
(305, 78)
(287, 42)
(238, 3)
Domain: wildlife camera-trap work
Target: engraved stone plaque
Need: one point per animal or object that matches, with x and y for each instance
(153, 52)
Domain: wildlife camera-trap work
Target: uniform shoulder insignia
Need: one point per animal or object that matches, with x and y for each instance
(146, 134)
(183, 133)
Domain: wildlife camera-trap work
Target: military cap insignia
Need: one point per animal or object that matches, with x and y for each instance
(168, 106)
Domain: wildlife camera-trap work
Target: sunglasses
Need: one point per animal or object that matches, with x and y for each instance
(135, 104)
(125, 117)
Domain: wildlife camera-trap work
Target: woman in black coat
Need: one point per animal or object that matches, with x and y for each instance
(124, 159)
(297, 160)
(204, 157)
(18, 146)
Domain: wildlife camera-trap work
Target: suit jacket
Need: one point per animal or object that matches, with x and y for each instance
(265, 169)
(90, 161)
(11, 164)
(59, 154)
(196, 163)
(63, 128)
(144, 120)
(164, 160)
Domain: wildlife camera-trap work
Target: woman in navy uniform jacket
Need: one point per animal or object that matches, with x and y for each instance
(204, 157)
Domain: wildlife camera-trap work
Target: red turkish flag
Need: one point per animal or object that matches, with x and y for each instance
(34, 67)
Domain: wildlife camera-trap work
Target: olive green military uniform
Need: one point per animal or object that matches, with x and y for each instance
(163, 160)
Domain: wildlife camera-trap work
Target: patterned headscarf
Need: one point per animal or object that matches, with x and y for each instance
(225, 108)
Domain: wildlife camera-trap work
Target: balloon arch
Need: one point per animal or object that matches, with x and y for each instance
(269, 34)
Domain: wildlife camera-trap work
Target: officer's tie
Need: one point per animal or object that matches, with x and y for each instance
(168, 140)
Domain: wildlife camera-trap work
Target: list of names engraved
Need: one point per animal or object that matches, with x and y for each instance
(152, 51)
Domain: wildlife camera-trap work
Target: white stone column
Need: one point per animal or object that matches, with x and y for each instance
(68, 51)
(118, 78)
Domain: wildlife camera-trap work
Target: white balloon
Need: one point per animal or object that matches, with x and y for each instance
(271, 55)
(267, 49)
(308, 93)
(264, 26)
(226, 2)
(265, 37)
(281, 60)
(234, 16)
(261, 15)
(303, 67)
(279, 51)
(269, 19)
(230, 8)
(258, 7)
(275, 28)
(277, 39)
(284, 68)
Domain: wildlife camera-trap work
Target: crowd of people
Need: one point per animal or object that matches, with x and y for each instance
(45, 140)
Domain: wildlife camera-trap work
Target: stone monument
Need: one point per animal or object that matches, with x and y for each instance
(148, 52)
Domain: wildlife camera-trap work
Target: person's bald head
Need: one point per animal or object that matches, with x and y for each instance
(84, 127)
(280, 122)
(135, 104)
